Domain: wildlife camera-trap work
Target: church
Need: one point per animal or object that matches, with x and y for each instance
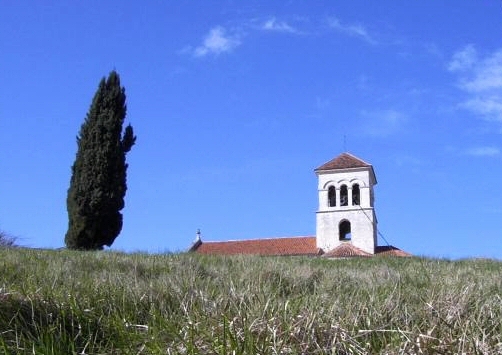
(346, 223)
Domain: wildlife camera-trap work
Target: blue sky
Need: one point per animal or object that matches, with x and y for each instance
(236, 103)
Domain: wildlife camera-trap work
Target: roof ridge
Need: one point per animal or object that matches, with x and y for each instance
(353, 156)
(345, 160)
(255, 239)
(272, 246)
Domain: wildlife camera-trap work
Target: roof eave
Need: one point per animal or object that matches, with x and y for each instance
(195, 245)
(369, 167)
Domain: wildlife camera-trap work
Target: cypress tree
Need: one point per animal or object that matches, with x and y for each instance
(98, 182)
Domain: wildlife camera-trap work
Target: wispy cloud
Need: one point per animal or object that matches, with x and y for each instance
(481, 79)
(220, 40)
(278, 26)
(463, 59)
(383, 123)
(490, 106)
(483, 151)
(217, 41)
(354, 30)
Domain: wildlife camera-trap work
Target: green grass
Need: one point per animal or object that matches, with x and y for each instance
(63, 302)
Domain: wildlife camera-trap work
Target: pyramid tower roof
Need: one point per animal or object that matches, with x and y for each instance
(344, 161)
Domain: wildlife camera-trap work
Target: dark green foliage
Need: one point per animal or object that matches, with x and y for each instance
(98, 182)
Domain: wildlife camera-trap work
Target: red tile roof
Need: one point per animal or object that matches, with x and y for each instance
(390, 250)
(345, 250)
(272, 246)
(288, 246)
(344, 161)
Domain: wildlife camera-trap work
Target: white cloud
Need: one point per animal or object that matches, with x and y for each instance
(489, 107)
(383, 123)
(481, 80)
(278, 26)
(483, 151)
(355, 30)
(463, 59)
(216, 42)
(487, 74)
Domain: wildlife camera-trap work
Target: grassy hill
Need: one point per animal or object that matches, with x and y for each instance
(63, 302)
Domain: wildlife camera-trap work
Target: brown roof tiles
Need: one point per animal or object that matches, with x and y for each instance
(344, 161)
(389, 250)
(345, 250)
(273, 246)
(288, 246)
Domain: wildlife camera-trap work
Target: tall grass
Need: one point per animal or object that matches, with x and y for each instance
(63, 302)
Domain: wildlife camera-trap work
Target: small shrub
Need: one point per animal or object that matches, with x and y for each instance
(7, 241)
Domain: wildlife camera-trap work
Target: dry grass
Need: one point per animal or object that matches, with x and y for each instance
(62, 302)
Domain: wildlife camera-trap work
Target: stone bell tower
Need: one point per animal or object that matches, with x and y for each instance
(346, 213)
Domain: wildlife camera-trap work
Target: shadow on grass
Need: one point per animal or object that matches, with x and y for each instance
(42, 327)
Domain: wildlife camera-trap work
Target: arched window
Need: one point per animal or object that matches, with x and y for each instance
(356, 195)
(344, 230)
(332, 196)
(344, 196)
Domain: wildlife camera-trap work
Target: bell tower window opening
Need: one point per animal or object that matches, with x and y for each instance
(344, 196)
(344, 230)
(332, 196)
(356, 195)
